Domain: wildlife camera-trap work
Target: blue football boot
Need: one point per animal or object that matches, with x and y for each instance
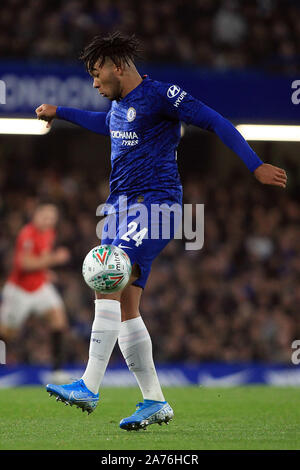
(75, 393)
(148, 412)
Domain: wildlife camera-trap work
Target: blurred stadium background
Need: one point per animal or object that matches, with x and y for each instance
(226, 314)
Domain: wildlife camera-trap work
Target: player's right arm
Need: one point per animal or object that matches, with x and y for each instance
(30, 262)
(93, 121)
(27, 260)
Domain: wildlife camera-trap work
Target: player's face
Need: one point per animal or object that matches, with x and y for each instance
(46, 217)
(107, 79)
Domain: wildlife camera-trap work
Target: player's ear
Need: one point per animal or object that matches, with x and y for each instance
(119, 69)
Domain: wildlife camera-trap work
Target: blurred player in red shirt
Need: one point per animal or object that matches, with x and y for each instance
(28, 288)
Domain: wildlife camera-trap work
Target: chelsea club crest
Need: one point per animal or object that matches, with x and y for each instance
(131, 114)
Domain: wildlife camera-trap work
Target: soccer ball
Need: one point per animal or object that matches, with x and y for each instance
(106, 269)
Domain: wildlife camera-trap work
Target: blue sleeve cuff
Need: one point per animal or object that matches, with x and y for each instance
(59, 112)
(256, 164)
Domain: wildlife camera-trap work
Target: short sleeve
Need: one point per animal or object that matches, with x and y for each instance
(24, 246)
(25, 243)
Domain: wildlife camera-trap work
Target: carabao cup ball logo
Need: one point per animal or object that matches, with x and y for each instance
(131, 114)
(173, 91)
(106, 269)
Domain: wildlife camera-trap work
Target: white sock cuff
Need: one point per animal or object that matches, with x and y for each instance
(133, 331)
(109, 304)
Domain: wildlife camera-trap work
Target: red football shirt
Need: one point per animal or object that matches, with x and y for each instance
(36, 242)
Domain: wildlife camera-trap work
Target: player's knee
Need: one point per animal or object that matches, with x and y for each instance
(8, 333)
(57, 318)
(130, 302)
(112, 296)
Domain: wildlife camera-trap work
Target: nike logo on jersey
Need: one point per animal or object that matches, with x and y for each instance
(121, 246)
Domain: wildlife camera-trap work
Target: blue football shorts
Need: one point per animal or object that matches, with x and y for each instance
(142, 232)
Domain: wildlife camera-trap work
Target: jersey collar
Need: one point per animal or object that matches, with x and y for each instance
(145, 78)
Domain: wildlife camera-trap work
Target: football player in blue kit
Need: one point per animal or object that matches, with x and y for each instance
(144, 125)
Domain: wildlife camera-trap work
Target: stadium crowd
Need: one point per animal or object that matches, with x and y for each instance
(236, 299)
(209, 33)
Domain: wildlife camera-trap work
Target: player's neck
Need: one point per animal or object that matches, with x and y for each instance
(132, 81)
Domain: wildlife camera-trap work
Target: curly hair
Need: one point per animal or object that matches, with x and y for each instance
(119, 48)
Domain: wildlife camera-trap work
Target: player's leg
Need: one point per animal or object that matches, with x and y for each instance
(107, 322)
(105, 331)
(136, 346)
(134, 339)
(48, 303)
(58, 323)
(130, 302)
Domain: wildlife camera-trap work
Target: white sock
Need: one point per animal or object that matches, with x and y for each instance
(105, 330)
(136, 346)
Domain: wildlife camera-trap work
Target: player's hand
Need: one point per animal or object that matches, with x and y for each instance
(46, 112)
(61, 255)
(269, 174)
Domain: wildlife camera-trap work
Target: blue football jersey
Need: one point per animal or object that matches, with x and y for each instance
(145, 132)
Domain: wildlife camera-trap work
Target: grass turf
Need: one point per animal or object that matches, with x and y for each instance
(205, 418)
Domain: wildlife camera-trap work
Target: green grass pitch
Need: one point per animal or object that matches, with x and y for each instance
(205, 418)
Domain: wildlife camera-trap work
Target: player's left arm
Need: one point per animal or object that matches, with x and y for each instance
(192, 111)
